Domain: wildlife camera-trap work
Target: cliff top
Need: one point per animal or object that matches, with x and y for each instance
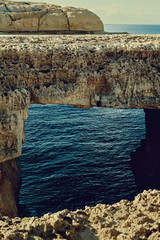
(84, 70)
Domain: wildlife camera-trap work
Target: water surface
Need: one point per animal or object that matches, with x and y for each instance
(75, 157)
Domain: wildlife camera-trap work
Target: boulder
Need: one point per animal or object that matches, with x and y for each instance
(42, 17)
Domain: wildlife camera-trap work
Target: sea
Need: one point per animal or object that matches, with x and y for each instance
(72, 157)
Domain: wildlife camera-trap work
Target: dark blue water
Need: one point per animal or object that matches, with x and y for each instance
(76, 157)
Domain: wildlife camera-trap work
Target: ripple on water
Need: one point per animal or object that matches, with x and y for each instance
(75, 157)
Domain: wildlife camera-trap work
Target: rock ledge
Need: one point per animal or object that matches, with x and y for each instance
(124, 220)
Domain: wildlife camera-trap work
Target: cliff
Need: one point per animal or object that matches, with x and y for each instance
(121, 221)
(95, 70)
(121, 71)
(42, 17)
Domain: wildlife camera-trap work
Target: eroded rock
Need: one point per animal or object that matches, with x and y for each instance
(121, 221)
(108, 71)
(42, 17)
(10, 182)
(13, 111)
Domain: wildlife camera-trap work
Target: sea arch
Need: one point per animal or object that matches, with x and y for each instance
(119, 71)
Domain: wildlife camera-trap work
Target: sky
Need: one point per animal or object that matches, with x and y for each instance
(117, 11)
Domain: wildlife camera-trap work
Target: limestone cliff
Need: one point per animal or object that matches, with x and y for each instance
(120, 71)
(121, 221)
(40, 17)
(13, 111)
(108, 71)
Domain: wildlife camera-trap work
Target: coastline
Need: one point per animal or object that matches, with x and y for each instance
(58, 33)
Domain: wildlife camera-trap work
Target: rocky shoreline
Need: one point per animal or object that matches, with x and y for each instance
(125, 220)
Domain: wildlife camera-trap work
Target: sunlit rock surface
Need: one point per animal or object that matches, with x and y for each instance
(110, 71)
(123, 220)
(42, 17)
(120, 71)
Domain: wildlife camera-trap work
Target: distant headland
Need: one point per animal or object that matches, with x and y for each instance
(30, 17)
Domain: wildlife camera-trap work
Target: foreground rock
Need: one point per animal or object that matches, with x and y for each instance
(40, 17)
(121, 221)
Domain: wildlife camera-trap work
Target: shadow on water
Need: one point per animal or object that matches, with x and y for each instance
(77, 157)
(145, 161)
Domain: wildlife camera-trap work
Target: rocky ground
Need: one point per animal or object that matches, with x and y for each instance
(124, 220)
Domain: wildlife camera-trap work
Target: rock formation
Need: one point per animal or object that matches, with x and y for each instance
(40, 17)
(124, 220)
(108, 71)
(120, 71)
(145, 161)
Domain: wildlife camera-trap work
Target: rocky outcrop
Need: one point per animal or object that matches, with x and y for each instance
(40, 17)
(124, 220)
(145, 161)
(10, 183)
(108, 71)
(13, 111)
(121, 71)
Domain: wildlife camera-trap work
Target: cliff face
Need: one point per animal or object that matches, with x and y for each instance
(109, 71)
(40, 17)
(120, 71)
(13, 111)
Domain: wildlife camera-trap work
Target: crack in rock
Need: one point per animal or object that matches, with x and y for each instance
(66, 16)
(39, 17)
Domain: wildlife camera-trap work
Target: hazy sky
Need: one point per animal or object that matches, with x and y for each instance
(118, 11)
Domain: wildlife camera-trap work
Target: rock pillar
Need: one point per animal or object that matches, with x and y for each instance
(145, 161)
(10, 182)
(11, 138)
(13, 111)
